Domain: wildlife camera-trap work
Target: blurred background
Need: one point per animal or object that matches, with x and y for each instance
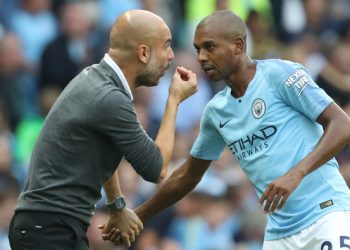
(45, 43)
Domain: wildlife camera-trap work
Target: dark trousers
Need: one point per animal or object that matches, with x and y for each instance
(47, 231)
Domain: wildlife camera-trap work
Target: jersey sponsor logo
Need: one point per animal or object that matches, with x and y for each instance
(258, 108)
(326, 204)
(221, 125)
(253, 143)
(299, 79)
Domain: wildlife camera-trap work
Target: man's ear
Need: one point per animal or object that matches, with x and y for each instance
(240, 45)
(144, 53)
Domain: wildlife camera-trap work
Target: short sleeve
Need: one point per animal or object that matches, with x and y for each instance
(114, 116)
(209, 144)
(299, 90)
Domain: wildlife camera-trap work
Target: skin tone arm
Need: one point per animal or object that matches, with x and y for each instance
(183, 85)
(336, 125)
(127, 222)
(181, 182)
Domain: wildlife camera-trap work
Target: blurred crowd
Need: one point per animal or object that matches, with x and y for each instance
(45, 43)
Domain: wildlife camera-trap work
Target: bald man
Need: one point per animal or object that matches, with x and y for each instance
(90, 128)
(282, 129)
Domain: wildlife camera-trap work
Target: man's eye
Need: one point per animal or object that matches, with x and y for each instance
(210, 47)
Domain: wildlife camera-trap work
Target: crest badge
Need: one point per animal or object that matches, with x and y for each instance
(258, 108)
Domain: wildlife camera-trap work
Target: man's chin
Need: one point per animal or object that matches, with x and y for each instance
(155, 84)
(151, 84)
(213, 78)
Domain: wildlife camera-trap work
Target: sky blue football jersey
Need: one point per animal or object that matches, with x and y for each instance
(269, 130)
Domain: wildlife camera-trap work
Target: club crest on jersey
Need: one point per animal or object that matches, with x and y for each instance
(258, 108)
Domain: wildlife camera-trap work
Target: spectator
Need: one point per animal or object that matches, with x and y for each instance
(335, 76)
(35, 25)
(17, 90)
(71, 51)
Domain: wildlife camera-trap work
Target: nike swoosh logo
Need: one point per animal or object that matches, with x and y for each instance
(221, 125)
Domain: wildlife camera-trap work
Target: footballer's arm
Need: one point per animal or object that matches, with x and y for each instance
(336, 125)
(181, 182)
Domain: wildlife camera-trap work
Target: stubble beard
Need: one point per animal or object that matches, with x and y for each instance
(150, 75)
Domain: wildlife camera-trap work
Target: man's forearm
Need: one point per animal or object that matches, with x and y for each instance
(166, 134)
(112, 187)
(173, 189)
(184, 84)
(335, 137)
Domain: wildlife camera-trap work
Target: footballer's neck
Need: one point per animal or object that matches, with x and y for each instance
(239, 81)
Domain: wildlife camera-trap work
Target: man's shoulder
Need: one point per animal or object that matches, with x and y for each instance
(92, 86)
(279, 65)
(97, 76)
(277, 70)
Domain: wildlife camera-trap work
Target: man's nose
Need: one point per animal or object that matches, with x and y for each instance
(170, 54)
(202, 56)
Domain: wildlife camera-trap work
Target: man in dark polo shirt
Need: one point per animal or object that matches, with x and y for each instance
(89, 129)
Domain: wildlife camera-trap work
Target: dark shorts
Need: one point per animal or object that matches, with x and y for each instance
(43, 231)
